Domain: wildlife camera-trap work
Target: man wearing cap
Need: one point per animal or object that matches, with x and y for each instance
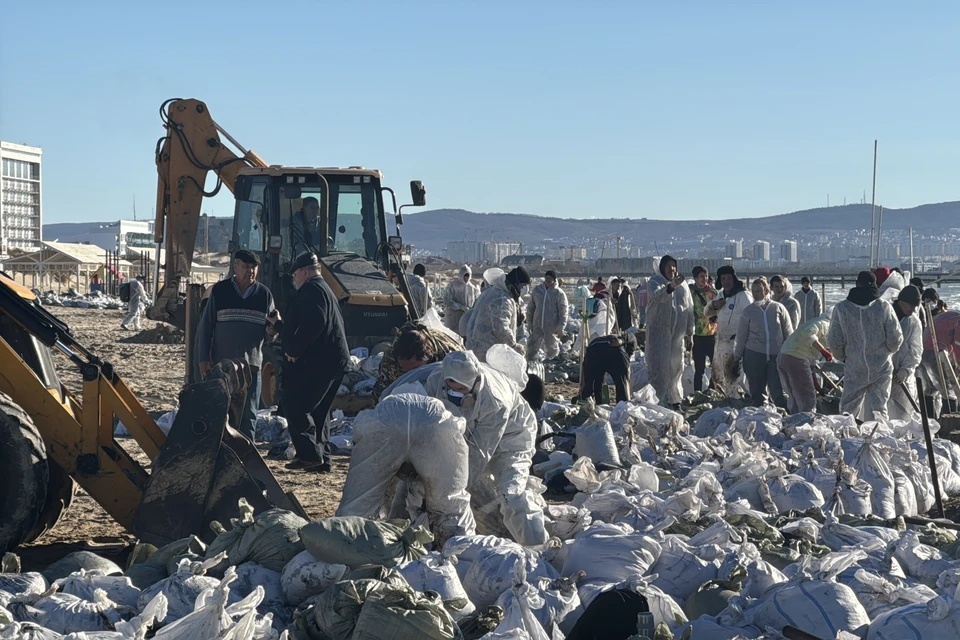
(864, 334)
(233, 327)
(907, 358)
(810, 304)
(546, 317)
(316, 356)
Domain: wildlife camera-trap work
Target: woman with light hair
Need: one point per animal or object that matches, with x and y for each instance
(764, 326)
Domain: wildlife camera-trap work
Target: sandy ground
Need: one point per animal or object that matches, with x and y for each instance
(154, 372)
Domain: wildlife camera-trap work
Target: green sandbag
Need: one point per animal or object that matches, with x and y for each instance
(356, 541)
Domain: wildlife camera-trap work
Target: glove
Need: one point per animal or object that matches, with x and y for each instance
(827, 354)
(900, 376)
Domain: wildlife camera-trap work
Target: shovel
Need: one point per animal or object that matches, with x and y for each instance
(922, 410)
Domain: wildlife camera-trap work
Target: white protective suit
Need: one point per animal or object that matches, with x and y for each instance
(810, 304)
(419, 291)
(414, 429)
(501, 431)
(138, 300)
(546, 317)
(865, 337)
(724, 351)
(905, 363)
(791, 304)
(457, 298)
(493, 320)
(670, 319)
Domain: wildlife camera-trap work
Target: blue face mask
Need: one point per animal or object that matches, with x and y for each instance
(455, 397)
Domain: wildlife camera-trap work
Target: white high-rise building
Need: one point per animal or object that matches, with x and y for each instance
(20, 198)
(788, 251)
(735, 249)
(761, 251)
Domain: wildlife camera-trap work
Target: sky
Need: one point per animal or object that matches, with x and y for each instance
(607, 108)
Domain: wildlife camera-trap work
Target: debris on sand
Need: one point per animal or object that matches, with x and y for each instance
(161, 334)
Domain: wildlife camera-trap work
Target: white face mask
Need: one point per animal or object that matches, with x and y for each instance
(524, 289)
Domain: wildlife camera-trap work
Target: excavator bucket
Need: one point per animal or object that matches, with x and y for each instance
(205, 466)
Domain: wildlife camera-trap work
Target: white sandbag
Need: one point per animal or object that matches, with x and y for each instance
(303, 577)
(510, 363)
(271, 539)
(921, 561)
(27, 631)
(212, 616)
(584, 476)
(434, 572)
(762, 576)
(760, 424)
(83, 584)
(182, 588)
(611, 553)
(493, 569)
(879, 595)
(23, 583)
(872, 467)
(819, 475)
(644, 477)
(519, 603)
(149, 617)
(679, 569)
(356, 541)
(792, 493)
(595, 441)
(639, 377)
(371, 365)
(937, 619)
(711, 420)
(64, 613)
(818, 607)
(904, 494)
(250, 576)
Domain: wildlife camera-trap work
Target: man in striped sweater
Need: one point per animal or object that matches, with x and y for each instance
(233, 326)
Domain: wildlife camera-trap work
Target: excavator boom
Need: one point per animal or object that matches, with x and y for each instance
(190, 149)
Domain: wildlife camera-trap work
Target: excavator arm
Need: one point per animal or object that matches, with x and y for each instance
(190, 149)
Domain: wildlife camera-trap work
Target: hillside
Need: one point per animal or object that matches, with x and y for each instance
(432, 230)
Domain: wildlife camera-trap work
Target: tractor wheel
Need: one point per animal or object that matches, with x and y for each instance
(23, 474)
(61, 490)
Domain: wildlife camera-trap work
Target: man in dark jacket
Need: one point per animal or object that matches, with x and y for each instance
(233, 327)
(315, 347)
(608, 354)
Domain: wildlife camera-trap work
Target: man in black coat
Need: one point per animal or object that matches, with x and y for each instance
(316, 355)
(608, 354)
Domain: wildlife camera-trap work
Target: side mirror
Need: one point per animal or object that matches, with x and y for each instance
(418, 193)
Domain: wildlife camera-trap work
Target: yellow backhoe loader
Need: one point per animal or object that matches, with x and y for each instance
(51, 440)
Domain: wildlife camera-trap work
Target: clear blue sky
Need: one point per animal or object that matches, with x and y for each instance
(605, 108)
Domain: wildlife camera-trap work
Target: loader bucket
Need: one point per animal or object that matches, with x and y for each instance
(205, 466)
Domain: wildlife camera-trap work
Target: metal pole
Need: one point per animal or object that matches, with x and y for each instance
(913, 264)
(879, 231)
(936, 351)
(873, 201)
(929, 440)
(823, 295)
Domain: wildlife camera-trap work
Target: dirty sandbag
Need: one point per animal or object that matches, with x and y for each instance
(83, 584)
(478, 625)
(760, 424)
(356, 541)
(336, 611)
(270, 426)
(792, 493)
(611, 553)
(78, 560)
(27, 631)
(270, 539)
(250, 576)
(904, 494)
(566, 521)
(303, 577)
(158, 564)
(823, 478)
(182, 588)
(64, 613)
(879, 595)
(712, 419)
(595, 441)
(212, 615)
(710, 628)
(493, 569)
(938, 618)
(437, 573)
(397, 612)
(710, 598)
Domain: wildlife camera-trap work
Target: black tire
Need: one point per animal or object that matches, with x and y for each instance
(61, 490)
(23, 474)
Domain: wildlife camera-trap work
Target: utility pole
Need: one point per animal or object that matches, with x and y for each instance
(619, 238)
(873, 202)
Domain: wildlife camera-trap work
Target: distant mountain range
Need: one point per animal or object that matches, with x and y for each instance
(432, 230)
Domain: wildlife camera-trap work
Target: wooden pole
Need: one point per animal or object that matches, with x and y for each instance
(925, 420)
(879, 231)
(584, 336)
(873, 201)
